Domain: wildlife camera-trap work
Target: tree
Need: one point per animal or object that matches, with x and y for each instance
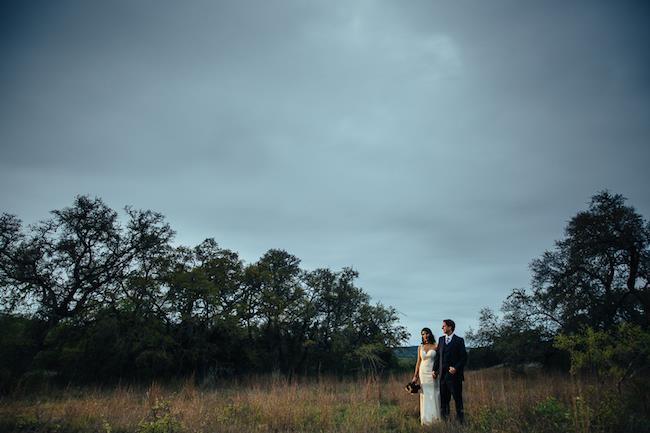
(68, 265)
(348, 333)
(89, 296)
(284, 313)
(597, 275)
(205, 288)
(205, 283)
(512, 339)
(337, 300)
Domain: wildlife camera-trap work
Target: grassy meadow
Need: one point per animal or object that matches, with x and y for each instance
(496, 401)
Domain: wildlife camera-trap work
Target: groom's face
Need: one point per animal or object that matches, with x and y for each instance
(446, 329)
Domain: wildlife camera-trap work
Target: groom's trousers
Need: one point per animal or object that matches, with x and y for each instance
(451, 387)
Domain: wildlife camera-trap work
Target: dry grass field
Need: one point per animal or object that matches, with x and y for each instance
(496, 401)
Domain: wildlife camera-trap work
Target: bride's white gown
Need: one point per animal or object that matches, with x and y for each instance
(430, 394)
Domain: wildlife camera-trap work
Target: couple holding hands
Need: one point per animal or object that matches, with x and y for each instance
(440, 369)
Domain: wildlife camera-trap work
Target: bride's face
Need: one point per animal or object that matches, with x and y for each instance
(425, 336)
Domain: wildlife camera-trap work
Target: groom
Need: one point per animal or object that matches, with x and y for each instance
(449, 365)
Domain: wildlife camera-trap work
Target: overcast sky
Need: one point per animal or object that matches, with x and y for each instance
(435, 146)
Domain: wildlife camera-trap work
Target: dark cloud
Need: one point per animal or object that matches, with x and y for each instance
(436, 147)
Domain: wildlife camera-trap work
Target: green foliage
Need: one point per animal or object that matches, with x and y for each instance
(550, 416)
(370, 358)
(19, 343)
(620, 358)
(492, 420)
(598, 410)
(509, 340)
(597, 276)
(104, 301)
(160, 420)
(482, 357)
(590, 299)
(621, 353)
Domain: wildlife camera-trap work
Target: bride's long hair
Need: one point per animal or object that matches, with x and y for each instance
(432, 338)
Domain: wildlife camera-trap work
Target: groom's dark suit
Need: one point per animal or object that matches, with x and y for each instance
(454, 355)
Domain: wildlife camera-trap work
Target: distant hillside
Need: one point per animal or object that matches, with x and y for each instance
(410, 352)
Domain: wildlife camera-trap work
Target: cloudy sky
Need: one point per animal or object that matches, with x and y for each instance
(435, 146)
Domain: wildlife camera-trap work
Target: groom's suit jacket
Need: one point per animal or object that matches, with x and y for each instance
(453, 354)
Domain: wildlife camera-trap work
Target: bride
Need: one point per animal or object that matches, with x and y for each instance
(430, 394)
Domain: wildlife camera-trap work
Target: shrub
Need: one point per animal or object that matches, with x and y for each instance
(550, 416)
(161, 419)
(492, 420)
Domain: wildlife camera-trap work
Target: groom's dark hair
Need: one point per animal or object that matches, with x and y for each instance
(451, 324)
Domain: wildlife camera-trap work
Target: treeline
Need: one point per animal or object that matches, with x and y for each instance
(88, 296)
(587, 308)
